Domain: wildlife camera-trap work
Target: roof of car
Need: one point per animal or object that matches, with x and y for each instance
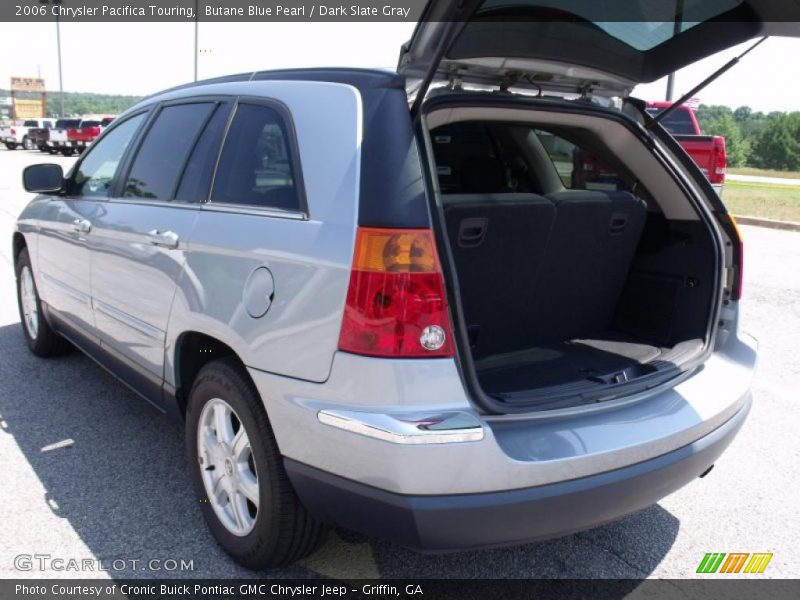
(361, 79)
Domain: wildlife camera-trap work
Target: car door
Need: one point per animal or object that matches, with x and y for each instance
(139, 241)
(66, 226)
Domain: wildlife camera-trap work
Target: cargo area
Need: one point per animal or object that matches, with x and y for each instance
(574, 277)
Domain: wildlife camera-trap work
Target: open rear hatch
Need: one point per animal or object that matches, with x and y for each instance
(587, 264)
(603, 47)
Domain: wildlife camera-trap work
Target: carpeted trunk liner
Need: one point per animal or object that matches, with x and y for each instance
(563, 362)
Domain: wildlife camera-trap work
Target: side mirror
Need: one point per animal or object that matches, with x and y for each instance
(43, 179)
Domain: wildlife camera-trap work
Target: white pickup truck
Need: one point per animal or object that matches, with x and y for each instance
(17, 135)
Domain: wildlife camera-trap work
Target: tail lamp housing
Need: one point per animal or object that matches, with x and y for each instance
(396, 303)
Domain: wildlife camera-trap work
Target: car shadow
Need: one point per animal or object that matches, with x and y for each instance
(123, 487)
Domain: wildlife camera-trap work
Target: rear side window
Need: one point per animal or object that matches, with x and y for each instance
(467, 160)
(163, 153)
(255, 168)
(678, 122)
(196, 182)
(581, 168)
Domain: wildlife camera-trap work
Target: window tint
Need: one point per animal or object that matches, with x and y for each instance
(196, 181)
(163, 152)
(474, 157)
(580, 168)
(641, 24)
(96, 171)
(678, 122)
(255, 167)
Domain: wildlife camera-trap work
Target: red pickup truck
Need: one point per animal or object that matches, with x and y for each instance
(75, 139)
(708, 151)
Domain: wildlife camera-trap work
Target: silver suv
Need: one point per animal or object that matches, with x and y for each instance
(506, 313)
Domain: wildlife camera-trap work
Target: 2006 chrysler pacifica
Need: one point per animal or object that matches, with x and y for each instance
(419, 311)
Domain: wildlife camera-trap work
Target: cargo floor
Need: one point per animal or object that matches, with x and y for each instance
(564, 362)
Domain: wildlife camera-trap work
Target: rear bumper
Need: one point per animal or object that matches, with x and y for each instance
(462, 521)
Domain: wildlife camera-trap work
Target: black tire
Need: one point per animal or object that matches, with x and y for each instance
(46, 342)
(52, 151)
(27, 143)
(11, 145)
(284, 531)
(43, 148)
(67, 151)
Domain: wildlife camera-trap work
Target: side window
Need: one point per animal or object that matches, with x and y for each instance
(163, 153)
(580, 168)
(95, 173)
(196, 181)
(255, 168)
(467, 161)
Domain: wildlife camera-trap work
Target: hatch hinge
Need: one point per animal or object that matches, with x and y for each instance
(510, 79)
(454, 82)
(586, 92)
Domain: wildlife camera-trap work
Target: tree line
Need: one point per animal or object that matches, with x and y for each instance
(84, 103)
(753, 138)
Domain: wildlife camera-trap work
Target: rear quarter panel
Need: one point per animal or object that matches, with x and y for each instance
(309, 256)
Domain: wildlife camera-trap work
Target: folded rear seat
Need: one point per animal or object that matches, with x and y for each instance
(498, 242)
(584, 269)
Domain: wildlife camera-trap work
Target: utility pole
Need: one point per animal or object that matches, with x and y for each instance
(196, 27)
(60, 73)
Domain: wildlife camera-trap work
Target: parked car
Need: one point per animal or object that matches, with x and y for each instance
(40, 137)
(18, 135)
(75, 138)
(59, 136)
(105, 122)
(708, 151)
(384, 307)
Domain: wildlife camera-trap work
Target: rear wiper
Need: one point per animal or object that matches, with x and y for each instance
(690, 94)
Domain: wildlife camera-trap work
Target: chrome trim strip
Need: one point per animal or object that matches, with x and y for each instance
(254, 211)
(67, 289)
(130, 321)
(407, 428)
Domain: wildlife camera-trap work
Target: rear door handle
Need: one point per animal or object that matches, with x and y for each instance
(82, 226)
(167, 239)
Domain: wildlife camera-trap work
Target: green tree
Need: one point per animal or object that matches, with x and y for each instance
(778, 144)
(707, 113)
(737, 147)
(742, 114)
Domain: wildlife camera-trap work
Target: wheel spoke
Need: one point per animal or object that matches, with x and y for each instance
(248, 485)
(239, 510)
(240, 445)
(222, 423)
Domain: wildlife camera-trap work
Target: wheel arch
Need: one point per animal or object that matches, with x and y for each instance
(192, 351)
(18, 244)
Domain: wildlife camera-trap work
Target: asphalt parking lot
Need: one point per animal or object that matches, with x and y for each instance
(121, 491)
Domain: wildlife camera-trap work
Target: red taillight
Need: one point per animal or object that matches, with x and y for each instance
(738, 259)
(396, 304)
(13, 132)
(719, 162)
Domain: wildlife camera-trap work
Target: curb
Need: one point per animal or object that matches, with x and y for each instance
(769, 223)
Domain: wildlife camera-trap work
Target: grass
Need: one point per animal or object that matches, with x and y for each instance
(779, 202)
(764, 172)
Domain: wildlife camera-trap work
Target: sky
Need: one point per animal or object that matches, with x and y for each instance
(143, 58)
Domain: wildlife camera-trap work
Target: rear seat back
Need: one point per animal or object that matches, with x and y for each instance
(499, 243)
(584, 269)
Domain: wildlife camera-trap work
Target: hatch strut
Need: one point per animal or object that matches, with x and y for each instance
(456, 20)
(726, 67)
